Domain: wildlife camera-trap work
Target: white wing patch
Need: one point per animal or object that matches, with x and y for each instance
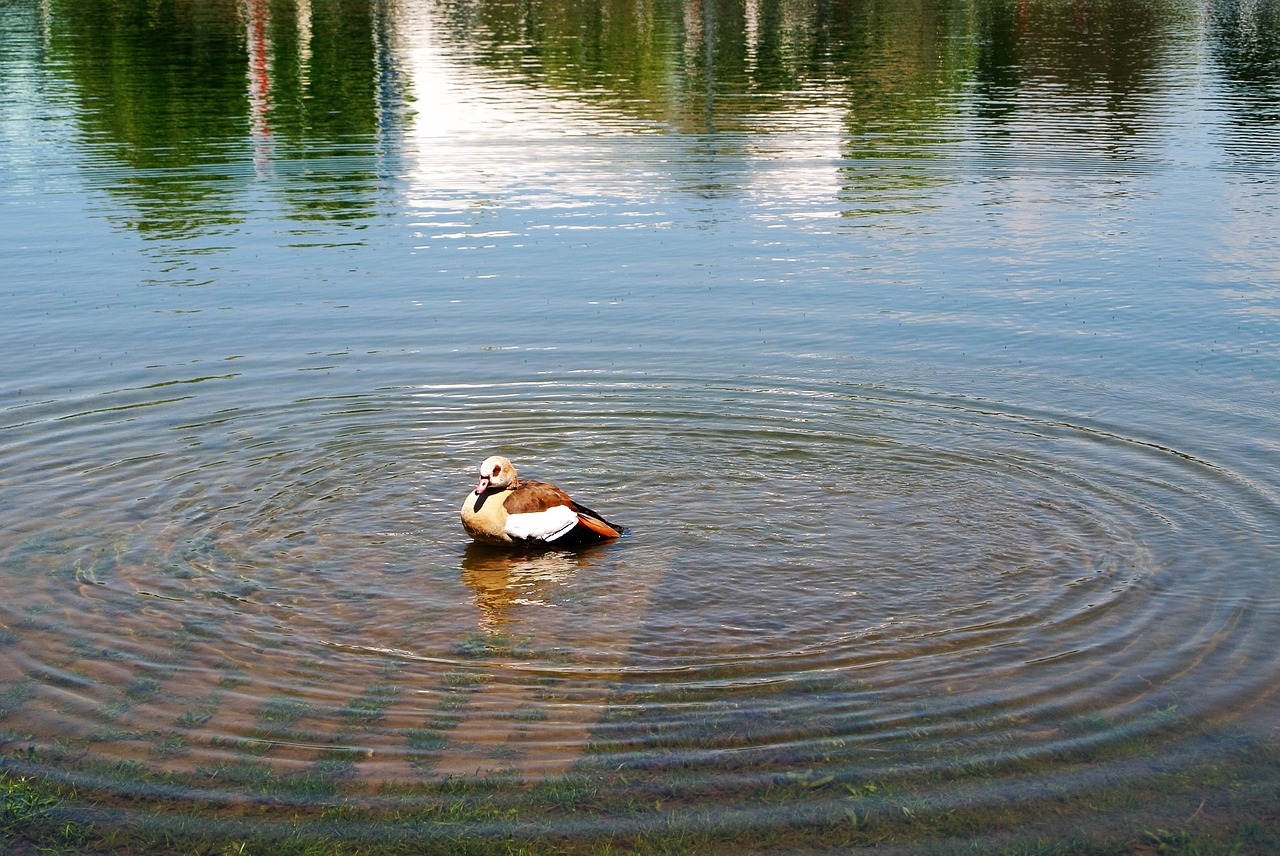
(542, 525)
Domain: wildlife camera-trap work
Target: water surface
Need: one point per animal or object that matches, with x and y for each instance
(927, 352)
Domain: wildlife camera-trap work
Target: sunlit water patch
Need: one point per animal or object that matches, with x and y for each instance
(814, 573)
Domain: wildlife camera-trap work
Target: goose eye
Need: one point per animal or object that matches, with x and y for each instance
(497, 470)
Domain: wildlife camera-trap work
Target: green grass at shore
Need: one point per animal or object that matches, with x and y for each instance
(1222, 802)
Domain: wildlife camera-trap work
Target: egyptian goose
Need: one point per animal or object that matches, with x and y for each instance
(506, 510)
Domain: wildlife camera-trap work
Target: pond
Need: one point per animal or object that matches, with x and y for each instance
(928, 353)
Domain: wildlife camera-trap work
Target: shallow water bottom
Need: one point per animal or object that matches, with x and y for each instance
(1026, 622)
(1215, 794)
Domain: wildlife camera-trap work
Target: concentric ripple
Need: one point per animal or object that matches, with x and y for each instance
(814, 573)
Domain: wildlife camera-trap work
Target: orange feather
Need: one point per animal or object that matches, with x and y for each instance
(598, 526)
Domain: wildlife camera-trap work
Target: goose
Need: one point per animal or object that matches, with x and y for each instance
(504, 509)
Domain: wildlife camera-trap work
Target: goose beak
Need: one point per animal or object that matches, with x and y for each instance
(483, 486)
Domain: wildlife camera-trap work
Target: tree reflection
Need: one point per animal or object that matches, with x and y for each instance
(1094, 62)
(1246, 40)
(761, 57)
(160, 89)
(187, 93)
(199, 99)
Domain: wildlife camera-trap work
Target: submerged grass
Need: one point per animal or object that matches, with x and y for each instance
(1222, 799)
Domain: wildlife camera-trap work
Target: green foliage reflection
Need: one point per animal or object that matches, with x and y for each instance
(195, 100)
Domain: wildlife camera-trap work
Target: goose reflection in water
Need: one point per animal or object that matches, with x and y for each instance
(509, 585)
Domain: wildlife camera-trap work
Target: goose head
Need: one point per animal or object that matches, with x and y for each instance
(496, 473)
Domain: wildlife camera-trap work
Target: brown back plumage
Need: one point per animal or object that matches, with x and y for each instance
(533, 496)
